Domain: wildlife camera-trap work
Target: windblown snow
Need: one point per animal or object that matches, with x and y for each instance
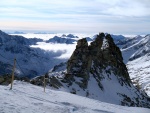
(27, 98)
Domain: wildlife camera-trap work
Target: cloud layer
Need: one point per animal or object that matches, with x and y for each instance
(65, 49)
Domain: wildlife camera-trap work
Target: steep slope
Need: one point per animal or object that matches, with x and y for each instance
(31, 62)
(129, 46)
(97, 71)
(27, 98)
(138, 62)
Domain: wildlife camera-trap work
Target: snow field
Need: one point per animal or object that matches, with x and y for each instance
(27, 98)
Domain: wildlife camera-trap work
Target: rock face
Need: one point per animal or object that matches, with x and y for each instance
(97, 71)
(78, 64)
(92, 59)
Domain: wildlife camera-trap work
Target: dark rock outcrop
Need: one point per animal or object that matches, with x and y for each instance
(100, 54)
(6, 79)
(97, 71)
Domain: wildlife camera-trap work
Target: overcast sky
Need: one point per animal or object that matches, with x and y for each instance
(76, 16)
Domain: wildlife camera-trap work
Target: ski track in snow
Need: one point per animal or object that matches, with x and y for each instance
(27, 98)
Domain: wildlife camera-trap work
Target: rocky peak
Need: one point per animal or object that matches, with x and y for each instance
(82, 43)
(101, 54)
(96, 45)
(77, 65)
(97, 71)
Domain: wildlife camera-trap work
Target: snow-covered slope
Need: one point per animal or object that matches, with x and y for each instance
(30, 61)
(27, 98)
(139, 70)
(129, 46)
(137, 56)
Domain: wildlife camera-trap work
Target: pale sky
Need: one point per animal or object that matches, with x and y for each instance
(76, 16)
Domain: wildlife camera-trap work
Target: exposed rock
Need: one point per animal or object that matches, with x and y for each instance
(85, 59)
(55, 83)
(6, 79)
(1, 79)
(97, 71)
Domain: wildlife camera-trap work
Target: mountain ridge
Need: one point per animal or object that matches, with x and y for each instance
(98, 66)
(138, 61)
(33, 61)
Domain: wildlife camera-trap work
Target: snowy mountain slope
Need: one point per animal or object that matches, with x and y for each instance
(130, 46)
(27, 98)
(143, 48)
(139, 70)
(97, 71)
(30, 61)
(136, 54)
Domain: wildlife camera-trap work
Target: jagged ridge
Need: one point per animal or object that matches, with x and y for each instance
(97, 71)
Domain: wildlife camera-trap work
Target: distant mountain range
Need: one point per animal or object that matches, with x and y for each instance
(66, 40)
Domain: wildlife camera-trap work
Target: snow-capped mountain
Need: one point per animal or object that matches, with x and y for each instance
(27, 98)
(97, 71)
(66, 39)
(57, 39)
(30, 61)
(70, 36)
(136, 52)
